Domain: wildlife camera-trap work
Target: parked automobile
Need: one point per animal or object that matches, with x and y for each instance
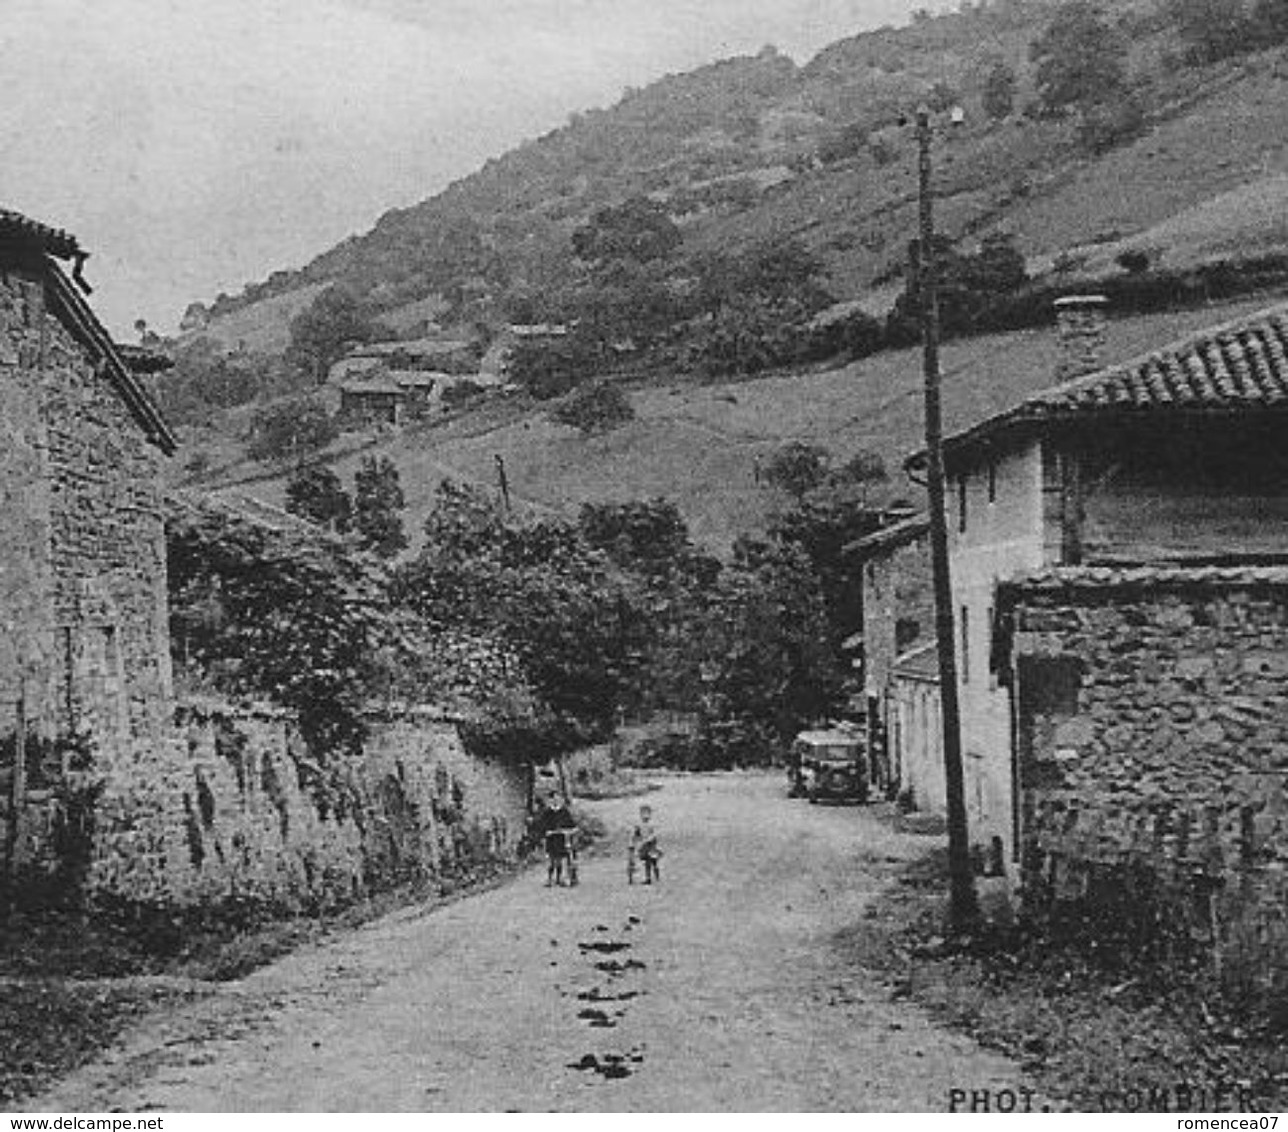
(828, 764)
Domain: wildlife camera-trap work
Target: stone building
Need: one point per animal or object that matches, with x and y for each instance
(1152, 752)
(1175, 458)
(898, 612)
(84, 657)
(915, 728)
(108, 785)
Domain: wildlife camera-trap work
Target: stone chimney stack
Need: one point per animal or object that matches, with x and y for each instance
(1081, 325)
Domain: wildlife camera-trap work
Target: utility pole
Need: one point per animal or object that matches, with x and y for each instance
(964, 908)
(503, 481)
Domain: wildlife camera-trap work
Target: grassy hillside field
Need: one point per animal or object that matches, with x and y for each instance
(698, 445)
(769, 129)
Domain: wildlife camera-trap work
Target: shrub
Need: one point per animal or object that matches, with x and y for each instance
(999, 92)
(290, 429)
(1108, 124)
(596, 408)
(462, 393)
(548, 371)
(1133, 260)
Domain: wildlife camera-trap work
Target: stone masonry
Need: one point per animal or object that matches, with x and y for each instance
(84, 667)
(1153, 742)
(109, 788)
(241, 813)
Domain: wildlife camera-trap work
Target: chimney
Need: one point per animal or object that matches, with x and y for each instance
(1080, 324)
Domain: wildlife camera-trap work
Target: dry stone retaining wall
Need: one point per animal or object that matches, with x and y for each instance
(238, 809)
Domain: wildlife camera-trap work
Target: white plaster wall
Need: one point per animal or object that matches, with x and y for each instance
(1003, 537)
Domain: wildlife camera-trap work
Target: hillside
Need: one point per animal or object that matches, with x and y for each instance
(760, 147)
(699, 445)
(753, 147)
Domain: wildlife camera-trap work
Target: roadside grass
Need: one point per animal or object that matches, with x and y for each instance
(48, 1027)
(1095, 1031)
(71, 984)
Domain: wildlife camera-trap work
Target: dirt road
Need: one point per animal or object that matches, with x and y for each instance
(717, 990)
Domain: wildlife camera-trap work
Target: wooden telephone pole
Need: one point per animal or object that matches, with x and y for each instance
(964, 908)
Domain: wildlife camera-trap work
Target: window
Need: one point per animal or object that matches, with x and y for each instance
(961, 504)
(988, 652)
(992, 480)
(965, 631)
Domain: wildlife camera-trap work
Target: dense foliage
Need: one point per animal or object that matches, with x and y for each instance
(620, 614)
(276, 615)
(378, 504)
(290, 430)
(314, 492)
(569, 618)
(1080, 58)
(336, 320)
(596, 408)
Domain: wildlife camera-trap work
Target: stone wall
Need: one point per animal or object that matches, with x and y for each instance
(1152, 752)
(236, 808)
(84, 664)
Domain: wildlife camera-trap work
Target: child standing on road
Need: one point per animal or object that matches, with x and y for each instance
(644, 848)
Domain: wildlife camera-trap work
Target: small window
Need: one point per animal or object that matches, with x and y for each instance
(992, 481)
(992, 670)
(965, 631)
(961, 504)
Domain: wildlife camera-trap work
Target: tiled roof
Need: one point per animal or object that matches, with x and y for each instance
(1090, 581)
(890, 537)
(1240, 366)
(372, 386)
(67, 300)
(52, 241)
(120, 364)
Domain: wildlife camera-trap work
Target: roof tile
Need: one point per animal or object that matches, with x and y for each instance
(1239, 366)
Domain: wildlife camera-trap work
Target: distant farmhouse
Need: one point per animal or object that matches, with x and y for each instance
(1119, 559)
(393, 382)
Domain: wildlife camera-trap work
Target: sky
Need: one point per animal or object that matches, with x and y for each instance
(197, 145)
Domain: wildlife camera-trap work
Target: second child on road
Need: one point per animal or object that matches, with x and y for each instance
(644, 848)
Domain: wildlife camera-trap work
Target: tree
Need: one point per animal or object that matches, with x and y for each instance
(378, 503)
(648, 537)
(969, 285)
(999, 91)
(596, 408)
(797, 468)
(638, 229)
(766, 661)
(626, 303)
(776, 272)
(942, 97)
(1081, 59)
(314, 492)
(999, 268)
(550, 369)
(289, 430)
(1270, 22)
(574, 623)
(321, 334)
(825, 519)
(1211, 29)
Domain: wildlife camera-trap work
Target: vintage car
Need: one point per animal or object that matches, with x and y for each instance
(828, 764)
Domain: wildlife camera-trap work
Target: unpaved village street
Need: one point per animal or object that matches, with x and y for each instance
(718, 990)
